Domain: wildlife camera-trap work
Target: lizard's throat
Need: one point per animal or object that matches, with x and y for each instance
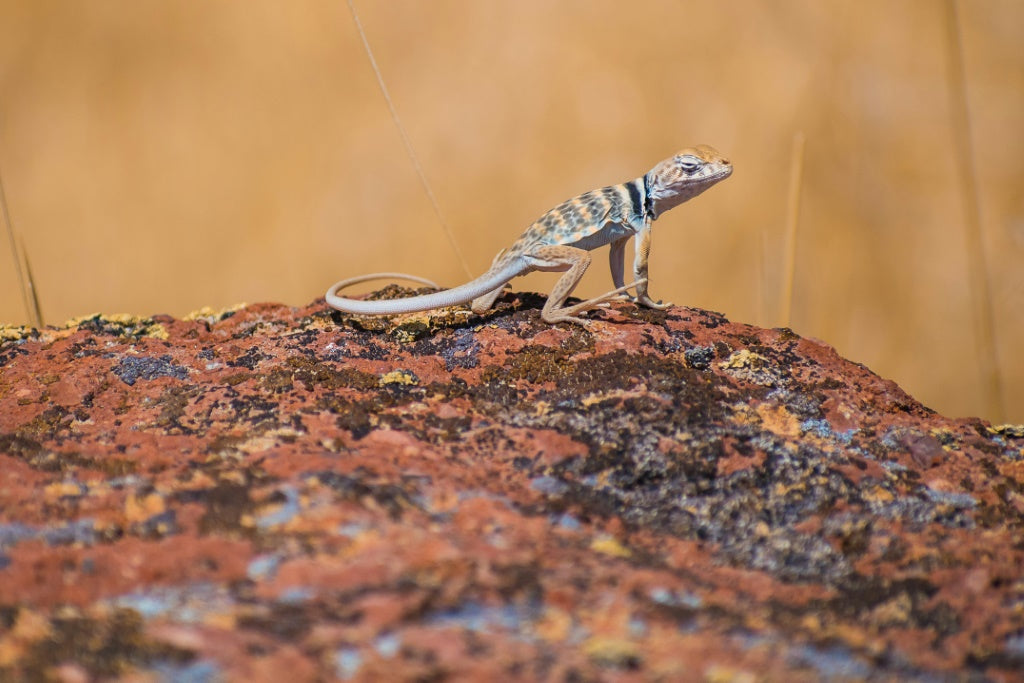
(649, 209)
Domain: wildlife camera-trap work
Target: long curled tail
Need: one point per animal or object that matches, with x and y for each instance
(345, 284)
(494, 278)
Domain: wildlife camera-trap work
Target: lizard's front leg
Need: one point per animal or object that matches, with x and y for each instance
(643, 251)
(617, 264)
(617, 260)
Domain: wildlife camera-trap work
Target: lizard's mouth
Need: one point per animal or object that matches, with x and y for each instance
(725, 172)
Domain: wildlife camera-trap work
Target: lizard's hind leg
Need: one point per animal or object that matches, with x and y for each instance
(574, 262)
(482, 304)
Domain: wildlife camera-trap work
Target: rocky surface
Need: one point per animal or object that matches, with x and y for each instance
(272, 493)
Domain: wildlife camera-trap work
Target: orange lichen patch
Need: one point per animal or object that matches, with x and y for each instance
(141, 508)
(778, 419)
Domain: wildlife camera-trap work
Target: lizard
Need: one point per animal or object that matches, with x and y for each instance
(561, 241)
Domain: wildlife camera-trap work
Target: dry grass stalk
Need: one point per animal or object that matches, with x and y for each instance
(979, 272)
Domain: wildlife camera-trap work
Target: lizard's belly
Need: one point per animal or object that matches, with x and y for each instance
(611, 232)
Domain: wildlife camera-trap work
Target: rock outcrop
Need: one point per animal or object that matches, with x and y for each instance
(272, 493)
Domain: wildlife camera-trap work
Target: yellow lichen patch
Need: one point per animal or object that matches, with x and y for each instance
(122, 318)
(811, 622)
(405, 336)
(398, 377)
(743, 358)
(751, 367)
(554, 626)
(945, 437)
(29, 627)
(209, 315)
(10, 651)
(62, 489)
(878, 494)
(895, 611)
(410, 327)
(1014, 431)
(141, 508)
(78, 320)
(157, 331)
(14, 332)
(611, 651)
(722, 673)
(224, 621)
(745, 415)
(134, 325)
(609, 546)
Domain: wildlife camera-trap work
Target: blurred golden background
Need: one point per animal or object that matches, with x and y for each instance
(158, 157)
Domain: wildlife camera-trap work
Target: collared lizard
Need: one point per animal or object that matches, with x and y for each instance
(561, 240)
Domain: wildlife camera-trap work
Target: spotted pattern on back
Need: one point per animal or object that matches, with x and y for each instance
(581, 216)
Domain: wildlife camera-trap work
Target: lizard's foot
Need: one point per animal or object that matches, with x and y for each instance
(566, 313)
(622, 293)
(651, 303)
(568, 319)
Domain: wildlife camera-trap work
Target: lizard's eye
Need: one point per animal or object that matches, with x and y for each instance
(690, 164)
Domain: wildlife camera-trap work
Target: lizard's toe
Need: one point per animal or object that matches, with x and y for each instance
(568, 319)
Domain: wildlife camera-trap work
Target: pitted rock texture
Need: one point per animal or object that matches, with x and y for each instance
(272, 493)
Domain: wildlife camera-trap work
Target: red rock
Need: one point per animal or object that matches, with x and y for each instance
(294, 493)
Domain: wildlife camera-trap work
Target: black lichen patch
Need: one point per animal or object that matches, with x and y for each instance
(53, 422)
(228, 504)
(19, 446)
(655, 430)
(130, 369)
(533, 364)
(537, 363)
(38, 457)
(127, 326)
(315, 374)
(362, 486)
(248, 360)
(357, 417)
(104, 647)
(699, 357)
(458, 348)
(899, 603)
(11, 348)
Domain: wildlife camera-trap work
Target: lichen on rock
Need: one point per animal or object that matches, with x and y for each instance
(660, 494)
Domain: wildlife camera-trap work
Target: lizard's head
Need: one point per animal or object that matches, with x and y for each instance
(683, 177)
